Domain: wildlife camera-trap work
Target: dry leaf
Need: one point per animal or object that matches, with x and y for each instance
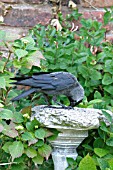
(72, 5)
(56, 23)
(34, 60)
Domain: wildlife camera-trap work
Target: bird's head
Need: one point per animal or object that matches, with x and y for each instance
(76, 95)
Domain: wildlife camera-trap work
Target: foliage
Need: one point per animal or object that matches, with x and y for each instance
(24, 143)
(86, 54)
(96, 150)
(89, 56)
(23, 140)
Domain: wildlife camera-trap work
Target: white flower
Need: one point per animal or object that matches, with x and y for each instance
(1, 18)
(26, 115)
(20, 127)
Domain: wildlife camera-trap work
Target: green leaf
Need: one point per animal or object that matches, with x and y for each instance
(70, 161)
(53, 137)
(31, 152)
(107, 17)
(12, 94)
(109, 141)
(6, 146)
(103, 127)
(20, 53)
(87, 163)
(39, 143)
(103, 163)
(95, 101)
(18, 118)
(2, 83)
(16, 149)
(111, 128)
(80, 60)
(20, 166)
(101, 152)
(2, 63)
(28, 40)
(6, 114)
(107, 115)
(98, 143)
(38, 159)
(45, 151)
(107, 79)
(111, 163)
(97, 95)
(88, 147)
(84, 71)
(20, 159)
(109, 89)
(28, 136)
(102, 133)
(18, 43)
(55, 133)
(31, 125)
(94, 74)
(40, 133)
(63, 66)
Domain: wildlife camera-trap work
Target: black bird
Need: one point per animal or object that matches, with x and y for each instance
(55, 83)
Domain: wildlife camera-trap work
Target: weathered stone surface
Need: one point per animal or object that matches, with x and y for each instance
(93, 14)
(65, 146)
(35, 1)
(13, 33)
(27, 16)
(73, 125)
(109, 37)
(78, 118)
(96, 3)
(25, 1)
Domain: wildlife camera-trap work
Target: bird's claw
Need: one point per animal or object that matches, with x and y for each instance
(62, 107)
(67, 107)
(50, 106)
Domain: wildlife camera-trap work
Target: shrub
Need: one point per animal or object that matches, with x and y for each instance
(86, 54)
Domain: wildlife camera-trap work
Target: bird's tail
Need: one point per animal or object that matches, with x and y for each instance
(24, 94)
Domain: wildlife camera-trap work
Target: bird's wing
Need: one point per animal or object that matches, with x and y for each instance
(57, 81)
(51, 81)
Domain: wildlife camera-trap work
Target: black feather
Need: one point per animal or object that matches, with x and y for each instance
(24, 94)
(55, 83)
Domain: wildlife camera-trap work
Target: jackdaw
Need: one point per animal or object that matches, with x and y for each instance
(52, 83)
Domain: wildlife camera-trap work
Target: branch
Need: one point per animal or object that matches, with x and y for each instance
(2, 164)
(90, 3)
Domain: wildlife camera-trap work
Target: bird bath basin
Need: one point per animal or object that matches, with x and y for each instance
(73, 124)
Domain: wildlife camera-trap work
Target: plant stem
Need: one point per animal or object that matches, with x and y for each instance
(7, 61)
(10, 52)
(7, 94)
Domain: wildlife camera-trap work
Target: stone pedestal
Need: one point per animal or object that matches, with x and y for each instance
(65, 146)
(73, 125)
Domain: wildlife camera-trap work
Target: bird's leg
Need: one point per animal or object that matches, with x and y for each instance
(55, 100)
(63, 106)
(47, 99)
